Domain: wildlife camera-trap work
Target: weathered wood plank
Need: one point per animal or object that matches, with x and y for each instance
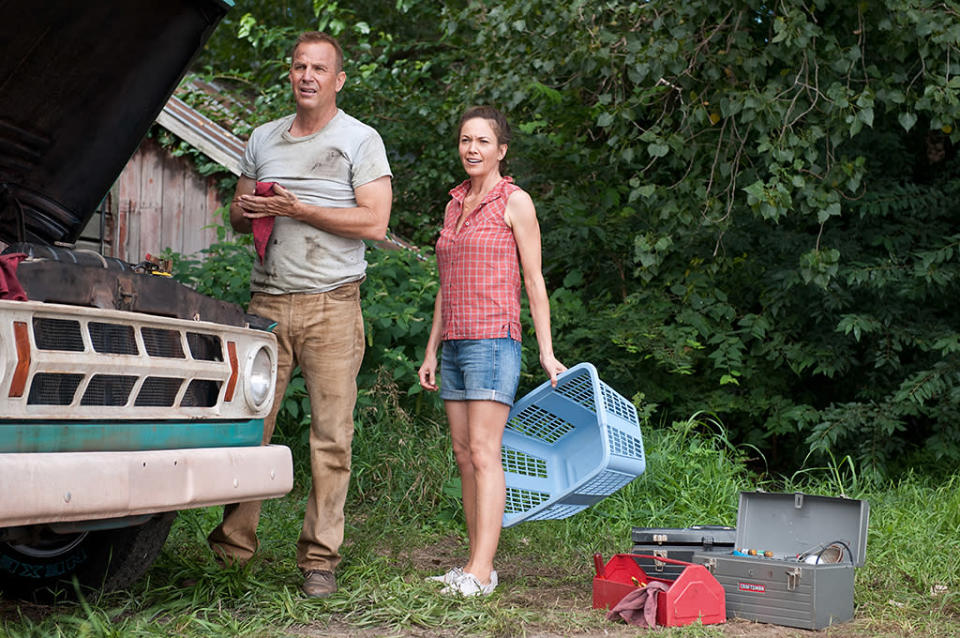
(174, 183)
(213, 204)
(151, 201)
(128, 218)
(194, 214)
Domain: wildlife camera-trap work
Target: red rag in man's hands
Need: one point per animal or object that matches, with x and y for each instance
(262, 226)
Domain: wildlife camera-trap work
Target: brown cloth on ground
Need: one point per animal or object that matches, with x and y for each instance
(639, 607)
(10, 287)
(262, 226)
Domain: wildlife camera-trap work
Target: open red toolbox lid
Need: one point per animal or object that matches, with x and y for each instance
(694, 595)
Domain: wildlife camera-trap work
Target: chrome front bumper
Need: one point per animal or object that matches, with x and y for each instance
(76, 486)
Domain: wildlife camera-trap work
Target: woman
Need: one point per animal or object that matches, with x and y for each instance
(489, 232)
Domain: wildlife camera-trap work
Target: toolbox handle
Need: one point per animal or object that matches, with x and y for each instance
(661, 559)
(598, 564)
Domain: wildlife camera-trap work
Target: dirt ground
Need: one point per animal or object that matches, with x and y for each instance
(541, 593)
(561, 606)
(732, 629)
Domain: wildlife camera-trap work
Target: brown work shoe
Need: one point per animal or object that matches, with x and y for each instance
(319, 583)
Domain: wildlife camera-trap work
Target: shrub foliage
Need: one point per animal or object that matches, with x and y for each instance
(747, 207)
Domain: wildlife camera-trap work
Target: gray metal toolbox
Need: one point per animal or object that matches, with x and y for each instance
(678, 543)
(812, 545)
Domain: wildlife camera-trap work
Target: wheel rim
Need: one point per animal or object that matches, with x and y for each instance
(51, 546)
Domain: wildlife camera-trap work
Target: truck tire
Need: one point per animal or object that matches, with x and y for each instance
(100, 560)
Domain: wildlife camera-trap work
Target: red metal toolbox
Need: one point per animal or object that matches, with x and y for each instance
(694, 595)
(678, 543)
(813, 544)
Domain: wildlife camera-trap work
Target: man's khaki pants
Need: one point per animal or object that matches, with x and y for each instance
(323, 334)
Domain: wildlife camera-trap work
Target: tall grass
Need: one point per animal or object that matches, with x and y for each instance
(403, 505)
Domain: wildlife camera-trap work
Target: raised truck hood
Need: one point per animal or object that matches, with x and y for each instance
(80, 85)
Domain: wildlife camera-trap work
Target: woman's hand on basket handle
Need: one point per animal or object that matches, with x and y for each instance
(552, 367)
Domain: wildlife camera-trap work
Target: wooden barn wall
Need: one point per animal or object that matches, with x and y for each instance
(158, 202)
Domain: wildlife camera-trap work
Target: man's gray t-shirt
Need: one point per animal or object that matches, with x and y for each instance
(322, 169)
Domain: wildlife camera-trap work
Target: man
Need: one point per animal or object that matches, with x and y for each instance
(332, 190)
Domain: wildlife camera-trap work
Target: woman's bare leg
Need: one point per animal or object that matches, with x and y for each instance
(460, 437)
(485, 424)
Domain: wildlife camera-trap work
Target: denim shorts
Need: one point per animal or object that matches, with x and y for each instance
(480, 370)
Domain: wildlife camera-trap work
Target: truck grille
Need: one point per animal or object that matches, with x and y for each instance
(162, 343)
(109, 338)
(108, 389)
(58, 334)
(114, 389)
(158, 392)
(94, 363)
(53, 389)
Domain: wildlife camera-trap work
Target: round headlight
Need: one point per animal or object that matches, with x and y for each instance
(259, 378)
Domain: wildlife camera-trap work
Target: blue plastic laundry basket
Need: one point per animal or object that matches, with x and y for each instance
(568, 447)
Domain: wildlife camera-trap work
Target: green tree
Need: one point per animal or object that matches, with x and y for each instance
(747, 207)
(733, 197)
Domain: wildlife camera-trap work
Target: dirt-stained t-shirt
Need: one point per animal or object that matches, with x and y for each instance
(322, 169)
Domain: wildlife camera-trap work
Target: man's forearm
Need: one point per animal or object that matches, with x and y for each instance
(367, 220)
(238, 222)
(358, 222)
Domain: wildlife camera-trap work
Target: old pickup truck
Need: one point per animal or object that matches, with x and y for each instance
(124, 396)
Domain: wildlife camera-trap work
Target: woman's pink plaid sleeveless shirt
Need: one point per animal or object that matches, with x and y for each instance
(479, 268)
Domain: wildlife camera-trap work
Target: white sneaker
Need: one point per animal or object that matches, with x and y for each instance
(469, 585)
(447, 578)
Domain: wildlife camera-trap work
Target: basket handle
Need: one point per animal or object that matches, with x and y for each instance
(662, 559)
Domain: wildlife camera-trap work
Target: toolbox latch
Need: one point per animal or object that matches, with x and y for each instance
(659, 539)
(710, 564)
(658, 565)
(793, 577)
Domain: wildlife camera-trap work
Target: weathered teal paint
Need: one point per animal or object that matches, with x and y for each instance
(117, 436)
